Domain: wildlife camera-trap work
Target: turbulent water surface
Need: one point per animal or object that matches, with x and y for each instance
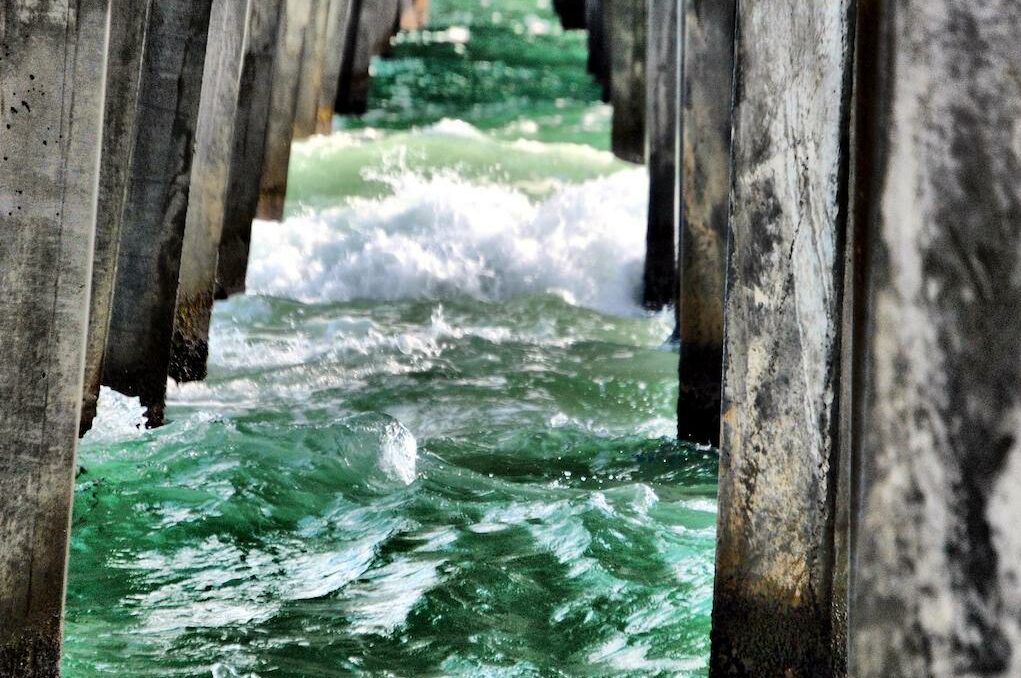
(436, 436)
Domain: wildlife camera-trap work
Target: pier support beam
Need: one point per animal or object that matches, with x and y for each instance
(210, 175)
(660, 278)
(415, 14)
(128, 20)
(571, 13)
(294, 22)
(705, 212)
(310, 75)
(339, 30)
(254, 98)
(936, 590)
(51, 104)
(598, 64)
(773, 609)
(378, 21)
(626, 24)
(141, 324)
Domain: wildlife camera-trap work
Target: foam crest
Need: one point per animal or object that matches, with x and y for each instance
(442, 236)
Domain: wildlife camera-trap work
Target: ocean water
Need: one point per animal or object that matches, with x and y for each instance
(436, 438)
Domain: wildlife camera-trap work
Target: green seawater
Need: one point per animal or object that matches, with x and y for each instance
(436, 438)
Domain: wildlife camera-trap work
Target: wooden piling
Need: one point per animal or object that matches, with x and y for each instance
(660, 276)
(705, 212)
(626, 24)
(415, 14)
(148, 265)
(378, 21)
(780, 448)
(937, 472)
(598, 64)
(128, 20)
(252, 126)
(571, 13)
(283, 105)
(310, 75)
(51, 104)
(338, 31)
(214, 146)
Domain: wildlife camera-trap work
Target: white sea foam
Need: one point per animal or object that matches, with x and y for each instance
(443, 236)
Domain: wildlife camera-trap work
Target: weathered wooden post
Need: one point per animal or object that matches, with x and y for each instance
(598, 49)
(141, 323)
(571, 13)
(338, 32)
(935, 587)
(128, 20)
(774, 613)
(214, 147)
(378, 20)
(626, 24)
(705, 212)
(283, 105)
(415, 14)
(51, 96)
(662, 68)
(254, 97)
(310, 75)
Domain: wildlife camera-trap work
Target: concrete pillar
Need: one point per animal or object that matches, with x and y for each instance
(773, 610)
(705, 212)
(310, 75)
(935, 588)
(214, 147)
(283, 106)
(660, 279)
(377, 23)
(598, 48)
(251, 127)
(571, 13)
(141, 324)
(338, 32)
(128, 20)
(51, 106)
(626, 24)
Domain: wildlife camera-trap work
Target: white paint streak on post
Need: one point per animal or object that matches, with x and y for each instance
(51, 108)
(214, 147)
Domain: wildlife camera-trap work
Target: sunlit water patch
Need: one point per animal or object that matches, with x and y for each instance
(437, 433)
